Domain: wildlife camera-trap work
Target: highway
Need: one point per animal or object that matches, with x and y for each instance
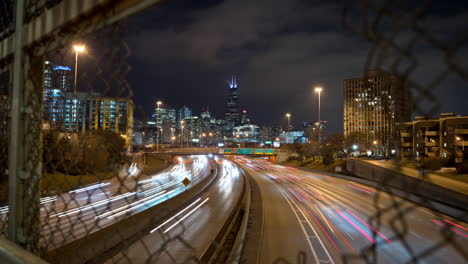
(185, 235)
(79, 212)
(331, 220)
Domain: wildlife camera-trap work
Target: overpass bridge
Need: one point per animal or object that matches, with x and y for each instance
(274, 154)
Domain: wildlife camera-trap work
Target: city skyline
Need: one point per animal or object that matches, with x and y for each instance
(277, 61)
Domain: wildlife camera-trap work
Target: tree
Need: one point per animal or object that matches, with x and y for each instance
(336, 144)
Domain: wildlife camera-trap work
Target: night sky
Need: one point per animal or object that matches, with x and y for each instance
(183, 52)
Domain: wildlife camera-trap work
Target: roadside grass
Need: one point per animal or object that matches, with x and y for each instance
(153, 165)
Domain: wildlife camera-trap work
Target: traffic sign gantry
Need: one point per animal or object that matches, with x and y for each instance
(186, 182)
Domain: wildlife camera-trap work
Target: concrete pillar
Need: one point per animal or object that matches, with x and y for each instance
(273, 159)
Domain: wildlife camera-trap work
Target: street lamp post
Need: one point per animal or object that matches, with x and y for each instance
(319, 91)
(78, 49)
(463, 142)
(158, 104)
(181, 132)
(375, 145)
(288, 116)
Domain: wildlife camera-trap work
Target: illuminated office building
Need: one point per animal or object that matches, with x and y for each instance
(115, 114)
(57, 81)
(372, 105)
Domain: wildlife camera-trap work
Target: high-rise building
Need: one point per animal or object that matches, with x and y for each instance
(74, 107)
(115, 114)
(372, 105)
(57, 81)
(183, 113)
(232, 113)
(62, 78)
(164, 113)
(244, 118)
(207, 123)
(192, 130)
(246, 133)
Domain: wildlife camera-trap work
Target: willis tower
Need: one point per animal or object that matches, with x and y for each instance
(232, 114)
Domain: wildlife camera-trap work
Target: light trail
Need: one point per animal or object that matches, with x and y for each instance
(81, 208)
(451, 228)
(356, 226)
(142, 203)
(128, 205)
(378, 233)
(90, 187)
(324, 231)
(187, 215)
(170, 219)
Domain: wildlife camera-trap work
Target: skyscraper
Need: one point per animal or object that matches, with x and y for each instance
(166, 121)
(232, 113)
(372, 105)
(57, 81)
(183, 113)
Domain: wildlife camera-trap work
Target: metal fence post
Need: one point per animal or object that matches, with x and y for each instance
(25, 149)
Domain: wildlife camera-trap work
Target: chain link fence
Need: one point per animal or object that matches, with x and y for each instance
(401, 35)
(69, 112)
(72, 188)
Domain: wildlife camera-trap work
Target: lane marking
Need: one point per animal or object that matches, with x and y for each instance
(303, 228)
(313, 229)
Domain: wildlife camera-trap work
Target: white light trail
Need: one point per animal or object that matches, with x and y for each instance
(81, 208)
(128, 205)
(142, 203)
(90, 187)
(187, 215)
(168, 220)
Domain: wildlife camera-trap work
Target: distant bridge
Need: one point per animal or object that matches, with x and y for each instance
(272, 153)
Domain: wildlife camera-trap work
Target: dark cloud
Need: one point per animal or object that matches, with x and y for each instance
(279, 49)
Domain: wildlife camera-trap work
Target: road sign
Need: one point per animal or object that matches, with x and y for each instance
(269, 151)
(186, 182)
(244, 151)
(227, 151)
(259, 151)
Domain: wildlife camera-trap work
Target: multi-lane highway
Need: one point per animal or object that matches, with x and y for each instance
(79, 212)
(184, 236)
(331, 220)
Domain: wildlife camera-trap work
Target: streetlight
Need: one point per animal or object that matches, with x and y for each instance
(375, 145)
(181, 132)
(463, 142)
(288, 116)
(173, 138)
(318, 90)
(158, 104)
(77, 49)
